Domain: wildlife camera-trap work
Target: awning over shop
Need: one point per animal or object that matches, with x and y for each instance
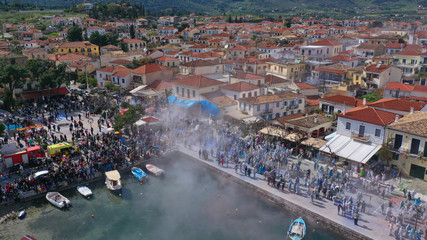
(135, 90)
(273, 131)
(348, 148)
(314, 142)
(330, 136)
(139, 123)
(181, 102)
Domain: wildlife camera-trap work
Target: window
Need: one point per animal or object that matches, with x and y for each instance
(415, 146)
(258, 107)
(177, 90)
(123, 80)
(377, 132)
(244, 95)
(235, 97)
(277, 115)
(285, 113)
(300, 101)
(425, 149)
(285, 103)
(194, 93)
(292, 112)
(347, 126)
(299, 111)
(277, 104)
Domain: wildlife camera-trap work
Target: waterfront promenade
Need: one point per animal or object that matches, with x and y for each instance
(322, 212)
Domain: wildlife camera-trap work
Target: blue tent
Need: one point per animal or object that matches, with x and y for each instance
(207, 107)
(210, 108)
(181, 102)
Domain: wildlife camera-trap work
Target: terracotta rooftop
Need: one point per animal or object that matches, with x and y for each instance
(282, 120)
(369, 115)
(303, 86)
(166, 59)
(409, 52)
(368, 46)
(347, 100)
(397, 104)
(272, 79)
(219, 99)
(309, 121)
(121, 61)
(200, 63)
(377, 68)
(149, 68)
(240, 87)
(399, 86)
(160, 85)
(198, 81)
(325, 42)
(415, 123)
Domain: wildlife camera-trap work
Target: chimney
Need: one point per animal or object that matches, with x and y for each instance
(411, 110)
(364, 101)
(396, 118)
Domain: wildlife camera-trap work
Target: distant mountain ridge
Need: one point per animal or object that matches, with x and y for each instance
(253, 6)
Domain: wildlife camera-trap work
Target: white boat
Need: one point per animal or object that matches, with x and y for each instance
(113, 181)
(58, 200)
(84, 191)
(21, 213)
(139, 174)
(154, 170)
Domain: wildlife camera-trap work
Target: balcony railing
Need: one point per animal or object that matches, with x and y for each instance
(360, 137)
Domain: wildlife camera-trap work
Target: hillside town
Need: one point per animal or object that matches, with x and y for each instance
(347, 93)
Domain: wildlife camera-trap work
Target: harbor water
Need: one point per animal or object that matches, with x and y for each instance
(188, 203)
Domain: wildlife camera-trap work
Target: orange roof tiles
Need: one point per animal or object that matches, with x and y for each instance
(397, 104)
(369, 115)
(248, 76)
(409, 52)
(197, 81)
(149, 68)
(303, 86)
(399, 86)
(346, 100)
(240, 87)
(325, 42)
(376, 68)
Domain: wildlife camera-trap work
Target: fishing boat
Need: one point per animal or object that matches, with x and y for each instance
(113, 181)
(21, 213)
(154, 170)
(58, 200)
(139, 174)
(28, 237)
(297, 229)
(84, 191)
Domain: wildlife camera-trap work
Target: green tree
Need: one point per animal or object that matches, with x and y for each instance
(132, 31)
(288, 22)
(229, 19)
(401, 40)
(75, 34)
(371, 97)
(98, 39)
(16, 47)
(13, 76)
(133, 114)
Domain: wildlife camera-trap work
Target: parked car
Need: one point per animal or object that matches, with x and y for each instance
(83, 86)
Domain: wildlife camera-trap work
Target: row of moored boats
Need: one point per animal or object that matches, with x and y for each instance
(112, 181)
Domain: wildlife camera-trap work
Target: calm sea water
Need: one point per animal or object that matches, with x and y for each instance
(189, 203)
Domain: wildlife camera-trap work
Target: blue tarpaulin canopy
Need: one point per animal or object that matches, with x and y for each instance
(207, 107)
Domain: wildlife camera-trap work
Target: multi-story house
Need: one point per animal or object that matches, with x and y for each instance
(408, 60)
(240, 90)
(378, 76)
(290, 70)
(238, 52)
(340, 103)
(406, 91)
(191, 87)
(399, 106)
(332, 48)
(367, 50)
(118, 75)
(149, 73)
(91, 30)
(361, 131)
(273, 105)
(272, 50)
(407, 138)
(85, 48)
(134, 44)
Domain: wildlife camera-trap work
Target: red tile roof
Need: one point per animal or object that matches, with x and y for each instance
(394, 45)
(397, 104)
(347, 100)
(330, 70)
(325, 42)
(160, 85)
(370, 115)
(399, 86)
(409, 52)
(133, 41)
(272, 79)
(240, 87)
(303, 86)
(378, 69)
(198, 81)
(121, 61)
(342, 58)
(165, 59)
(149, 68)
(420, 88)
(112, 69)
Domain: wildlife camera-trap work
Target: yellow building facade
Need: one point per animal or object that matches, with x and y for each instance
(84, 48)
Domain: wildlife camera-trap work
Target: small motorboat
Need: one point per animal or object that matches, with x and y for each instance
(297, 229)
(154, 170)
(28, 237)
(84, 191)
(58, 200)
(139, 174)
(113, 181)
(21, 213)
